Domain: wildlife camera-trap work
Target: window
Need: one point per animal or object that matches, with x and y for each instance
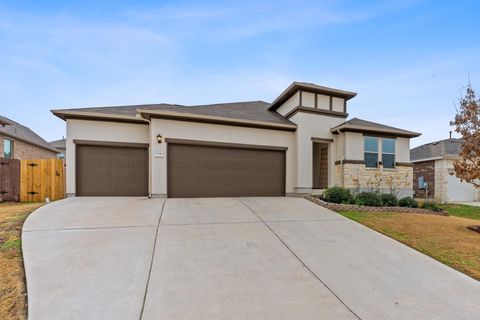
(7, 148)
(371, 152)
(421, 182)
(388, 153)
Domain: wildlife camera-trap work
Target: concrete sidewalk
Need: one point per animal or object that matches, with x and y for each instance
(247, 258)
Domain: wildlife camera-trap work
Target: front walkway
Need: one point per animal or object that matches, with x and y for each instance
(246, 258)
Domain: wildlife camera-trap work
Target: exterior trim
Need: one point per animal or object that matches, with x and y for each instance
(376, 132)
(316, 101)
(300, 100)
(330, 104)
(380, 135)
(315, 111)
(65, 114)
(111, 144)
(350, 162)
(218, 120)
(224, 144)
(315, 139)
(403, 164)
(312, 88)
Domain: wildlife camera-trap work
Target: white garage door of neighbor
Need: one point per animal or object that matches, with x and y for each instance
(459, 191)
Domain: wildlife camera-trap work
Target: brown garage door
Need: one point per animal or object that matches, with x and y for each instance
(214, 171)
(111, 171)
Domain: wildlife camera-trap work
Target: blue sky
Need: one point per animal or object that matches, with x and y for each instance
(407, 60)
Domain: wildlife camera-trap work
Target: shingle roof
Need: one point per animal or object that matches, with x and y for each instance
(437, 149)
(251, 110)
(359, 125)
(20, 132)
(59, 144)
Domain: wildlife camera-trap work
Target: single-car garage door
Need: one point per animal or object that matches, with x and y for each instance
(224, 171)
(111, 171)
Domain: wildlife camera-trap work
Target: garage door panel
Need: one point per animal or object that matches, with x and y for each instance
(111, 171)
(210, 171)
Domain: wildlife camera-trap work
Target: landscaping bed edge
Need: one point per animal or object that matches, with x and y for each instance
(354, 207)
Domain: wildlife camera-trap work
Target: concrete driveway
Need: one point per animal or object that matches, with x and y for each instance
(246, 258)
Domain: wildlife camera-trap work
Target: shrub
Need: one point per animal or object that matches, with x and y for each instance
(389, 200)
(408, 202)
(372, 199)
(431, 206)
(338, 195)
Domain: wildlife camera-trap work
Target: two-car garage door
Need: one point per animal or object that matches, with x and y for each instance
(193, 170)
(224, 171)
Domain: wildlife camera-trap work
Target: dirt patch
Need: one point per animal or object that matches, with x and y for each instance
(12, 278)
(446, 239)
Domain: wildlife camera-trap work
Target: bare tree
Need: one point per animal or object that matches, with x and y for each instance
(467, 123)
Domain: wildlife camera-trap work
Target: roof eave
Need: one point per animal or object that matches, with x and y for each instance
(66, 114)
(404, 134)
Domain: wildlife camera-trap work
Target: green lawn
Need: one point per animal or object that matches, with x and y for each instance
(446, 239)
(461, 210)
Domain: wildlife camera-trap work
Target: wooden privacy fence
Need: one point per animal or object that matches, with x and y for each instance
(41, 179)
(9, 180)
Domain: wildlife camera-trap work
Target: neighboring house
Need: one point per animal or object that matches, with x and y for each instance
(19, 142)
(299, 143)
(60, 145)
(433, 164)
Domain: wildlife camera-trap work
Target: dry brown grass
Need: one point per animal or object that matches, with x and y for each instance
(12, 279)
(445, 239)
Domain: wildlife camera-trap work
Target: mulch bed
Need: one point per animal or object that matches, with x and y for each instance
(354, 207)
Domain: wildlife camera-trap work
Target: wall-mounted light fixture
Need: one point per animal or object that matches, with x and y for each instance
(159, 138)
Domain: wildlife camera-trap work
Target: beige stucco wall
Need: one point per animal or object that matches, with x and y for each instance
(318, 126)
(308, 99)
(355, 147)
(323, 102)
(99, 131)
(218, 133)
(337, 104)
(290, 104)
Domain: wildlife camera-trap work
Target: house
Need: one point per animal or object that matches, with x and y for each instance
(299, 143)
(60, 145)
(433, 164)
(19, 142)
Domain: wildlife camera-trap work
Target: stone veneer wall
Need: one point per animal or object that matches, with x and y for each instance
(441, 174)
(23, 150)
(358, 177)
